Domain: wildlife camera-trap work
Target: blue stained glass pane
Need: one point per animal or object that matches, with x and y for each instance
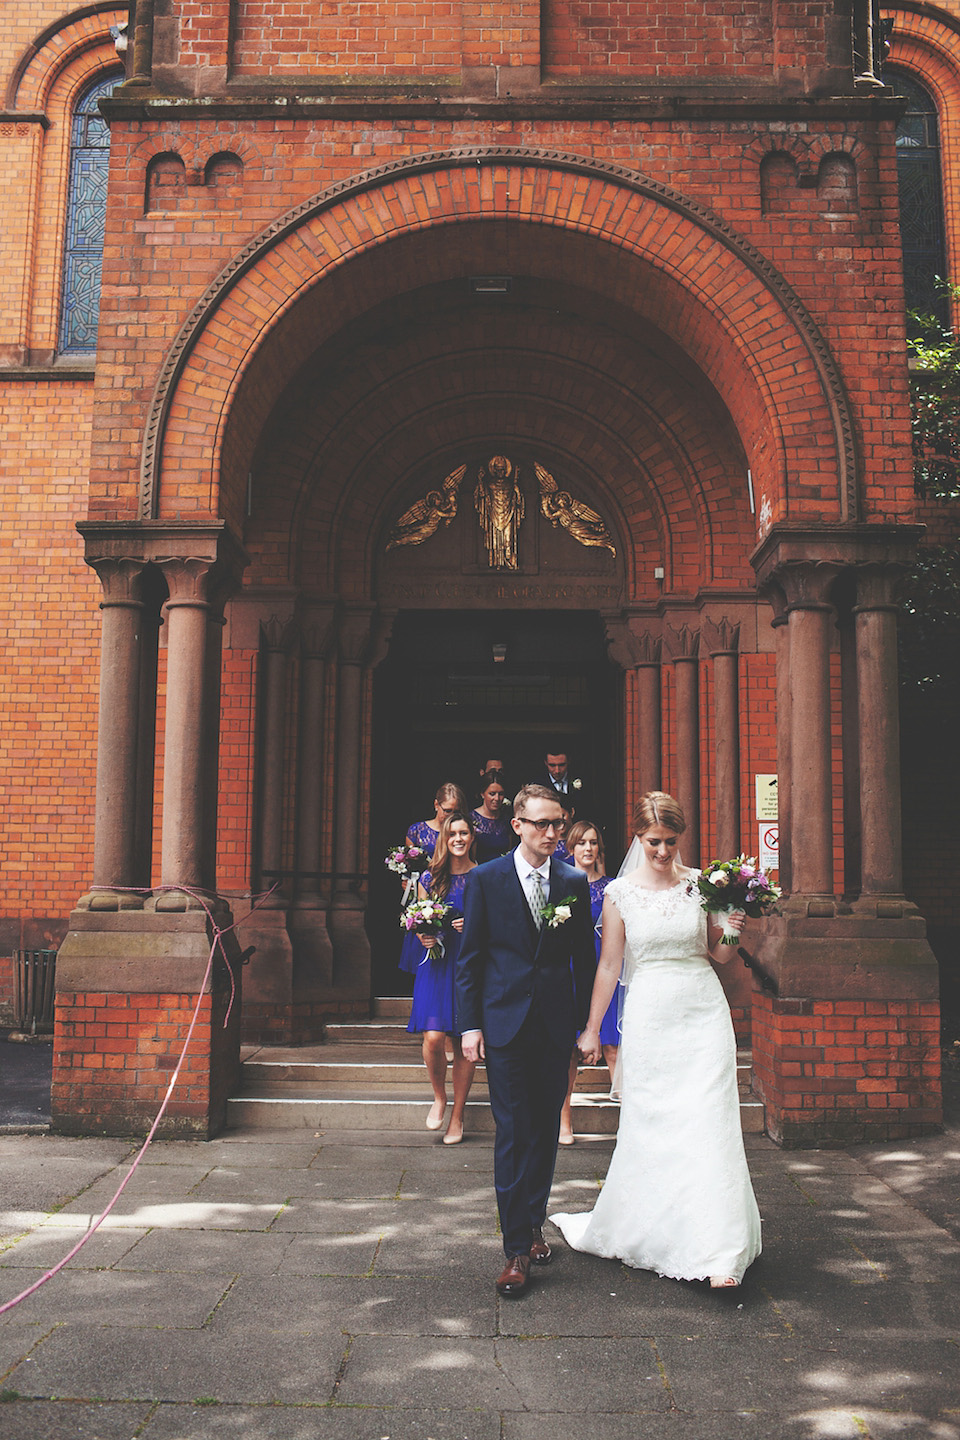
(86, 214)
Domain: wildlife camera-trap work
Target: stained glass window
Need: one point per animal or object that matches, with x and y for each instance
(86, 213)
(921, 197)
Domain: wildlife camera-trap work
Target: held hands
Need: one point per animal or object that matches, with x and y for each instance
(471, 1045)
(458, 924)
(590, 1048)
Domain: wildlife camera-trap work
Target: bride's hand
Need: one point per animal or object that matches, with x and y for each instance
(590, 1047)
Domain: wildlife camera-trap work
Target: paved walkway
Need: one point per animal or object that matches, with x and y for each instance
(282, 1285)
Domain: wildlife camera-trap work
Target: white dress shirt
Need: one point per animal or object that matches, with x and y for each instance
(525, 870)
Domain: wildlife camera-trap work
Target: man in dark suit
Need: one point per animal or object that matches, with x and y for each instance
(520, 1001)
(559, 778)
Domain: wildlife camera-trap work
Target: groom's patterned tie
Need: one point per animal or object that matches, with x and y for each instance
(535, 897)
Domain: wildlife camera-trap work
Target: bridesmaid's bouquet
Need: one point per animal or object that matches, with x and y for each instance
(729, 885)
(426, 917)
(409, 862)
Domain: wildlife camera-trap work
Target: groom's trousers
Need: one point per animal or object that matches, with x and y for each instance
(527, 1080)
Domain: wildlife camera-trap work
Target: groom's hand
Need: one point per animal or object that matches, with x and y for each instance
(471, 1043)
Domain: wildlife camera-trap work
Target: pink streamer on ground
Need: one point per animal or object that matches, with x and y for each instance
(218, 933)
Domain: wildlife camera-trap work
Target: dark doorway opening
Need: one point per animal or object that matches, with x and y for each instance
(458, 688)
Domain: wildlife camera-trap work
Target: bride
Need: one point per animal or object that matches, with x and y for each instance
(677, 1198)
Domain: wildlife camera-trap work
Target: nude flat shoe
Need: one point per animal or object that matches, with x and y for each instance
(723, 1282)
(434, 1120)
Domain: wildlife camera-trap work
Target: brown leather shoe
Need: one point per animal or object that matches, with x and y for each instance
(540, 1252)
(515, 1277)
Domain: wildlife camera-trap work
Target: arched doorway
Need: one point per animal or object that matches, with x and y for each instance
(459, 686)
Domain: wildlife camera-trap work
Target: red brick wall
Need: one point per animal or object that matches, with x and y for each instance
(839, 1072)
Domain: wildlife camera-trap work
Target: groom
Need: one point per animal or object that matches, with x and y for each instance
(523, 984)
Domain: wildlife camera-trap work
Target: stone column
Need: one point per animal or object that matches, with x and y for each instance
(879, 728)
(722, 641)
(275, 642)
(351, 949)
(784, 751)
(649, 747)
(115, 835)
(187, 614)
(811, 623)
(316, 638)
(682, 647)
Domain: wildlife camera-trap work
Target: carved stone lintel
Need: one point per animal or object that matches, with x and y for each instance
(721, 637)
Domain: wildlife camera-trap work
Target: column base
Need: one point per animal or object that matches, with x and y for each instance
(848, 1048)
(289, 992)
(127, 986)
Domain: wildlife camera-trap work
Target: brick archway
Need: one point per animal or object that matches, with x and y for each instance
(688, 273)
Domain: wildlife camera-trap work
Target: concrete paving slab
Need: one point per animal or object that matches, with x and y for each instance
(115, 1298)
(133, 1213)
(45, 1247)
(571, 1298)
(402, 1253)
(888, 1307)
(640, 1426)
(276, 1150)
(373, 1306)
(41, 1176)
(71, 1420)
(146, 1184)
(320, 1255)
(341, 1217)
(220, 1252)
(426, 1373)
(335, 1422)
(583, 1376)
(898, 1375)
(252, 1366)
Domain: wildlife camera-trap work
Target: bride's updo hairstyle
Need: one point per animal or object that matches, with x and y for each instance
(658, 808)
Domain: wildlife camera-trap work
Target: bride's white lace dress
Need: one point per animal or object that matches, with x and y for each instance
(677, 1197)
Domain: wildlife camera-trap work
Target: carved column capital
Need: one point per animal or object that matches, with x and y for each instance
(317, 630)
(721, 637)
(681, 643)
(121, 577)
(279, 636)
(878, 585)
(355, 633)
(188, 579)
(807, 584)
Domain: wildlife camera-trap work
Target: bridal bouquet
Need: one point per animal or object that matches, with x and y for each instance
(409, 862)
(426, 917)
(729, 885)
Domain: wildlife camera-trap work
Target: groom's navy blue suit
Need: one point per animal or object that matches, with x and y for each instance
(528, 990)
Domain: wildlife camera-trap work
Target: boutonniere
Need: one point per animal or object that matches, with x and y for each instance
(577, 784)
(559, 914)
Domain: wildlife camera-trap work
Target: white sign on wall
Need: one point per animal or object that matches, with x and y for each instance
(767, 804)
(768, 857)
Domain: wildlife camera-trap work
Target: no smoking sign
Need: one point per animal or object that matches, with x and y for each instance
(769, 856)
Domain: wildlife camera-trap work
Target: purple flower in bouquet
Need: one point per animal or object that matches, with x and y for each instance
(729, 885)
(425, 918)
(407, 861)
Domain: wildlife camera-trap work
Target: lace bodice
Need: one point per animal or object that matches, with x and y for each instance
(660, 924)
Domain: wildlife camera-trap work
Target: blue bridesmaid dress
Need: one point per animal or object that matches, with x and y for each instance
(432, 1007)
(411, 951)
(609, 1027)
(494, 837)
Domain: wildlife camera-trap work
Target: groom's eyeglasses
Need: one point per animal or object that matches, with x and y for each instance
(542, 825)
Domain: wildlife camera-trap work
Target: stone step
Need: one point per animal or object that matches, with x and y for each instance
(370, 1076)
(292, 1107)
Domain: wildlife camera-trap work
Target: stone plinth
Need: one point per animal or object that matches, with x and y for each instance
(127, 985)
(848, 1050)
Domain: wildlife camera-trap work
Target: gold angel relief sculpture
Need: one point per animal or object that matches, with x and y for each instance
(559, 507)
(438, 507)
(498, 500)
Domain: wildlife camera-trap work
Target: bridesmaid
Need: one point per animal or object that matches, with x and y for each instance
(587, 854)
(448, 799)
(432, 1012)
(494, 834)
